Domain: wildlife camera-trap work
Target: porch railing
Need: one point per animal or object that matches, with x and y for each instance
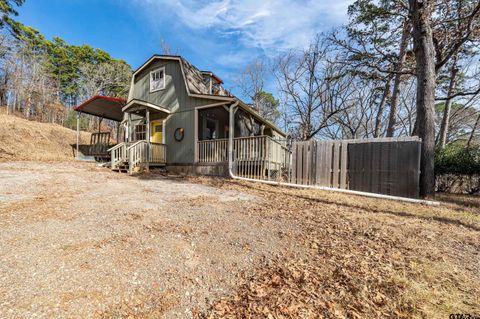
(137, 155)
(254, 156)
(213, 151)
(118, 154)
(158, 153)
(261, 157)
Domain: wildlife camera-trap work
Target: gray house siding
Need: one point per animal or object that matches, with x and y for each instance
(175, 98)
(183, 152)
(174, 93)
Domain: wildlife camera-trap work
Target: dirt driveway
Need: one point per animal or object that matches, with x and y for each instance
(81, 241)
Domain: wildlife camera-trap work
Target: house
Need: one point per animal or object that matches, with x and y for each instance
(179, 117)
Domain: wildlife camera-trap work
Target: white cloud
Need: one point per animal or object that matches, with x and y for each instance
(269, 24)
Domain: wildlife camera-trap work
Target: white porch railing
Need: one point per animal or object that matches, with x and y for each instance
(254, 157)
(213, 151)
(158, 153)
(135, 155)
(118, 154)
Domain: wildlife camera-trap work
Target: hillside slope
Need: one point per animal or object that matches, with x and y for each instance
(23, 140)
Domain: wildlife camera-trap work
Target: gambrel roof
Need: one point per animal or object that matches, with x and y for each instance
(193, 76)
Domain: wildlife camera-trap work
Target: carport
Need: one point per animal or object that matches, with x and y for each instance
(104, 107)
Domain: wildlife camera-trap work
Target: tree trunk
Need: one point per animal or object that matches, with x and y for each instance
(448, 106)
(472, 134)
(381, 107)
(398, 78)
(421, 13)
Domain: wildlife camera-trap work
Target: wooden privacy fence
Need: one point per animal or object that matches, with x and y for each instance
(386, 165)
(322, 163)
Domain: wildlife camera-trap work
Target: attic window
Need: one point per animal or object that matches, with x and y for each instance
(157, 80)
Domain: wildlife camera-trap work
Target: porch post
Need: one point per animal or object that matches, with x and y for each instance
(231, 134)
(130, 129)
(118, 132)
(147, 111)
(195, 133)
(78, 134)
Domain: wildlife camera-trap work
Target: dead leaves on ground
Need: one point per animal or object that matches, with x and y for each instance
(350, 267)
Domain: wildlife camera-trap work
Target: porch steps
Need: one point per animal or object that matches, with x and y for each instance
(121, 167)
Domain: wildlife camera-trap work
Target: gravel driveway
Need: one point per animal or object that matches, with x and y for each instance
(79, 241)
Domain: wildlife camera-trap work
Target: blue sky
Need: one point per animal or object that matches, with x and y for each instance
(221, 36)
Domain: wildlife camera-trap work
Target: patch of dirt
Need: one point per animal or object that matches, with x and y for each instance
(81, 241)
(23, 140)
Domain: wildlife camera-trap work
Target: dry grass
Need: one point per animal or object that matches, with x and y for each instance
(363, 258)
(23, 140)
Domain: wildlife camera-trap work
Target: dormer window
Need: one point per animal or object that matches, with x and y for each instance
(157, 80)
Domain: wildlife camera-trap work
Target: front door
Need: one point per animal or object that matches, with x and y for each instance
(157, 132)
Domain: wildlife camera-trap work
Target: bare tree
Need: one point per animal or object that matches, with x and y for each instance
(314, 87)
(398, 69)
(381, 107)
(406, 115)
(359, 119)
(103, 79)
(251, 81)
(473, 131)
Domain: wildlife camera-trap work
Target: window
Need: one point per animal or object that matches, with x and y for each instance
(157, 80)
(140, 132)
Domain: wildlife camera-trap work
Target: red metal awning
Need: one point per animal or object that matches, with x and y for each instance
(103, 106)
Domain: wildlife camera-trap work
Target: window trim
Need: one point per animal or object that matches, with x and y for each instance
(150, 79)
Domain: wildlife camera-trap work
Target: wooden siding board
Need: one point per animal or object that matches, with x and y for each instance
(336, 164)
(343, 165)
(327, 164)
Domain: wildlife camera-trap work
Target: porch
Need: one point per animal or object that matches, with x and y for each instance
(255, 150)
(260, 157)
(143, 145)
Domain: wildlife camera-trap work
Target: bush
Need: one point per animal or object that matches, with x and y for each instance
(457, 159)
(457, 169)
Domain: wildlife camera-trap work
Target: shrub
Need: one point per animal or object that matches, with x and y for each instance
(457, 169)
(457, 159)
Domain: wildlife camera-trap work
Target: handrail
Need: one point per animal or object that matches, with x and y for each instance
(213, 140)
(116, 147)
(135, 144)
(118, 154)
(136, 154)
(247, 137)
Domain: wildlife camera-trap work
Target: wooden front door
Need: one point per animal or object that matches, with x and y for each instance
(157, 132)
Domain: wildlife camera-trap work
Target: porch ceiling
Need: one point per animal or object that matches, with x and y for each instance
(103, 106)
(139, 107)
